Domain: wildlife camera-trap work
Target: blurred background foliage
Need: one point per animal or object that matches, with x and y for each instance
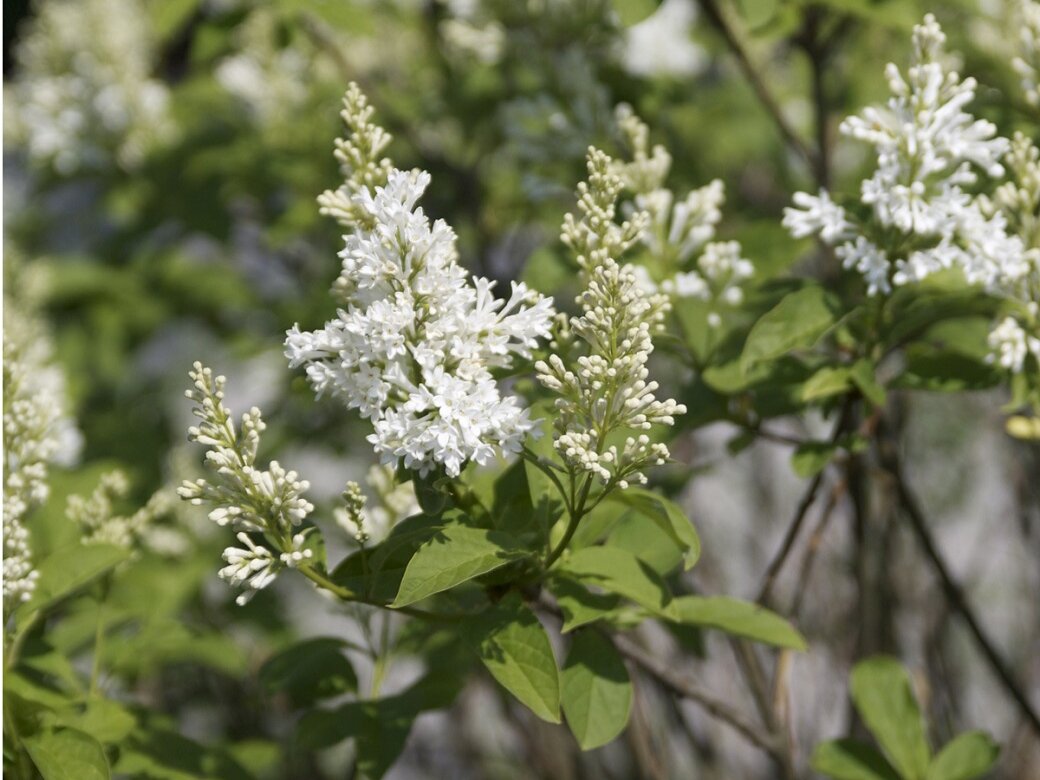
(204, 241)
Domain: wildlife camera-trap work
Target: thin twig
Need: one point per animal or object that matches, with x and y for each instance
(716, 18)
(680, 684)
(813, 546)
(802, 511)
(954, 594)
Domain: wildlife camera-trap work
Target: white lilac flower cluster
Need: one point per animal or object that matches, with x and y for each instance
(922, 217)
(686, 262)
(83, 94)
(414, 344)
(1017, 337)
(394, 501)
(1027, 63)
(101, 524)
(266, 506)
(270, 80)
(37, 432)
(608, 389)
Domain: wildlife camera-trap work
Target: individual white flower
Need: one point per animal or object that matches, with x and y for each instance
(253, 567)
(413, 347)
(83, 94)
(869, 260)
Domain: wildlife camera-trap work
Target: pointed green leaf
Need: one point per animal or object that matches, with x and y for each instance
(67, 570)
(850, 759)
(597, 692)
(740, 618)
(618, 571)
(965, 757)
(514, 647)
(885, 700)
(67, 754)
(667, 516)
(579, 605)
(310, 670)
(453, 555)
(828, 381)
(796, 322)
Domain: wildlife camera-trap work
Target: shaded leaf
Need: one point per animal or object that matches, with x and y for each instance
(514, 647)
(849, 759)
(796, 322)
(597, 692)
(310, 670)
(618, 571)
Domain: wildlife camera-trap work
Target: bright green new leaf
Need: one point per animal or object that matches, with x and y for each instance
(965, 757)
(514, 647)
(646, 541)
(453, 555)
(597, 692)
(850, 759)
(106, 721)
(67, 754)
(667, 516)
(862, 374)
(885, 700)
(812, 457)
(67, 570)
(310, 670)
(798, 321)
(619, 571)
(828, 381)
(740, 618)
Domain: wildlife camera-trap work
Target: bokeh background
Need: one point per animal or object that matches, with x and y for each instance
(161, 164)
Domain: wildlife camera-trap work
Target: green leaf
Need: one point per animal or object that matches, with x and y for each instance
(597, 692)
(106, 721)
(884, 699)
(158, 752)
(740, 618)
(828, 381)
(796, 322)
(67, 754)
(455, 554)
(579, 605)
(862, 374)
(646, 541)
(965, 757)
(67, 570)
(850, 759)
(812, 457)
(634, 11)
(514, 647)
(310, 670)
(666, 515)
(620, 572)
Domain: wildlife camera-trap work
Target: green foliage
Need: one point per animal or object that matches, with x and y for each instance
(310, 670)
(884, 699)
(596, 690)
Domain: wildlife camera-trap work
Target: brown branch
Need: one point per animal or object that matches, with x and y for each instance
(718, 20)
(681, 684)
(954, 594)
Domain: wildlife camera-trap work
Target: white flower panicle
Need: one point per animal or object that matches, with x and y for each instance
(100, 523)
(1027, 63)
(270, 80)
(1018, 200)
(922, 217)
(394, 501)
(268, 502)
(414, 345)
(360, 160)
(679, 232)
(608, 390)
(37, 432)
(83, 95)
